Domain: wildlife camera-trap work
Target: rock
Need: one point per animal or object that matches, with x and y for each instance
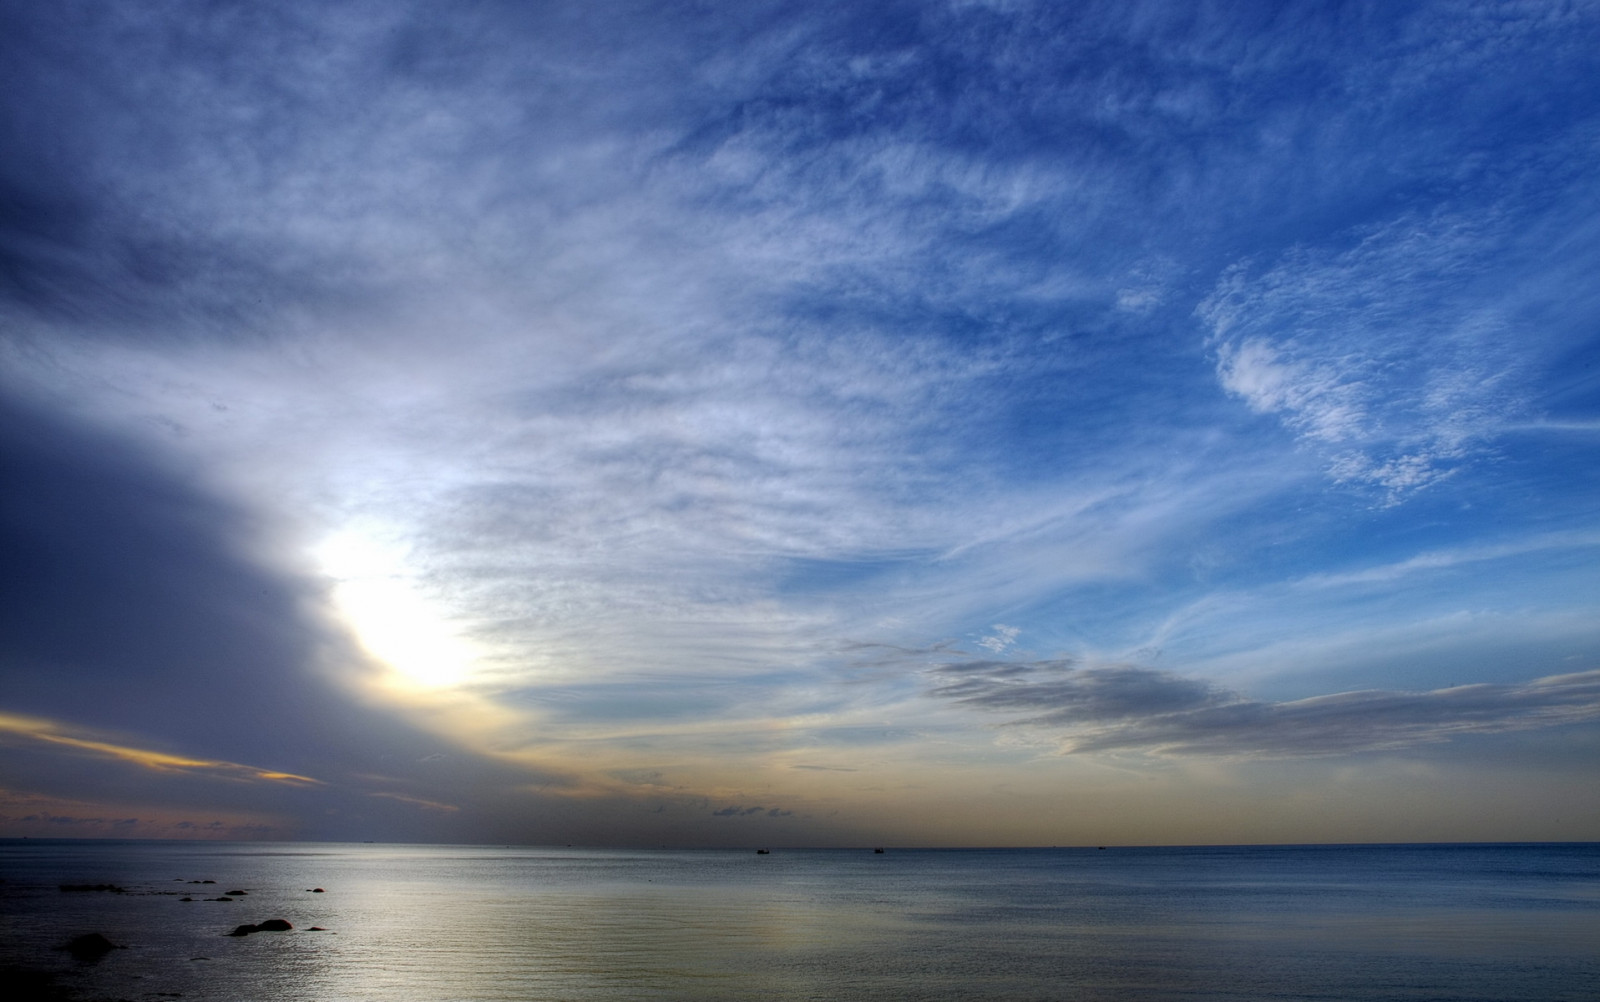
(270, 925)
(31, 986)
(237, 894)
(89, 946)
(316, 928)
(316, 890)
(113, 888)
(186, 899)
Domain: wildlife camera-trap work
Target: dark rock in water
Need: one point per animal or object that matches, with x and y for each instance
(237, 894)
(316, 890)
(208, 881)
(186, 899)
(270, 925)
(23, 985)
(113, 888)
(316, 928)
(219, 899)
(89, 946)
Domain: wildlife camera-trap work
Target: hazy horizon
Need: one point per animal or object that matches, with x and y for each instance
(946, 424)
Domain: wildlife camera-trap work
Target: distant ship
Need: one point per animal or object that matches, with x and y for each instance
(763, 852)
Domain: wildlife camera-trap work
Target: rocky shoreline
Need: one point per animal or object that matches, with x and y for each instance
(38, 980)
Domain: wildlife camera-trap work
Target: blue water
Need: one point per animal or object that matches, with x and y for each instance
(459, 923)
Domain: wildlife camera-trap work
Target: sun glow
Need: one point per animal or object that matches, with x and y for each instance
(394, 621)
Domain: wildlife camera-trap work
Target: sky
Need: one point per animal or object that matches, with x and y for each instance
(936, 423)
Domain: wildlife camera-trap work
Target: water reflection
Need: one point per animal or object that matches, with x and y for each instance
(466, 923)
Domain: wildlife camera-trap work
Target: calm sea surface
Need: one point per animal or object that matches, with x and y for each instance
(463, 923)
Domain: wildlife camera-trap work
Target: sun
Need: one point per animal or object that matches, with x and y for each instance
(395, 622)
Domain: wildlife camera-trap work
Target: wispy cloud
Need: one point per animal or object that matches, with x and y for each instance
(651, 358)
(1439, 560)
(432, 805)
(1382, 357)
(1120, 707)
(1002, 637)
(51, 732)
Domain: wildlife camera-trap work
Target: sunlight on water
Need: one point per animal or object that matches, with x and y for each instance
(415, 923)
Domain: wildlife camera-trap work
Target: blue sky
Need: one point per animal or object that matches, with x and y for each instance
(963, 423)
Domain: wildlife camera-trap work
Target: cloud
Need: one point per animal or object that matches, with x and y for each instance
(1113, 708)
(1401, 350)
(692, 374)
(652, 353)
(1438, 560)
(745, 812)
(1324, 405)
(1002, 637)
(431, 805)
(198, 672)
(1381, 357)
(35, 815)
(145, 591)
(53, 733)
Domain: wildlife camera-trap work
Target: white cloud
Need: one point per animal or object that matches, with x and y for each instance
(1319, 401)
(1002, 637)
(1394, 359)
(1437, 560)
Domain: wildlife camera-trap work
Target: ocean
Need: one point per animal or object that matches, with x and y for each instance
(430, 923)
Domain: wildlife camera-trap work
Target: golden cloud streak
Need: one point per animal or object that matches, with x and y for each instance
(432, 805)
(51, 733)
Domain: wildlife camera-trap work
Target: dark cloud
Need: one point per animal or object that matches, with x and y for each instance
(1128, 707)
(138, 587)
(77, 247)
(202, 169)
(136, 620)
(744, 812)
(1071, 695)
(132, 614)
(147, 160)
